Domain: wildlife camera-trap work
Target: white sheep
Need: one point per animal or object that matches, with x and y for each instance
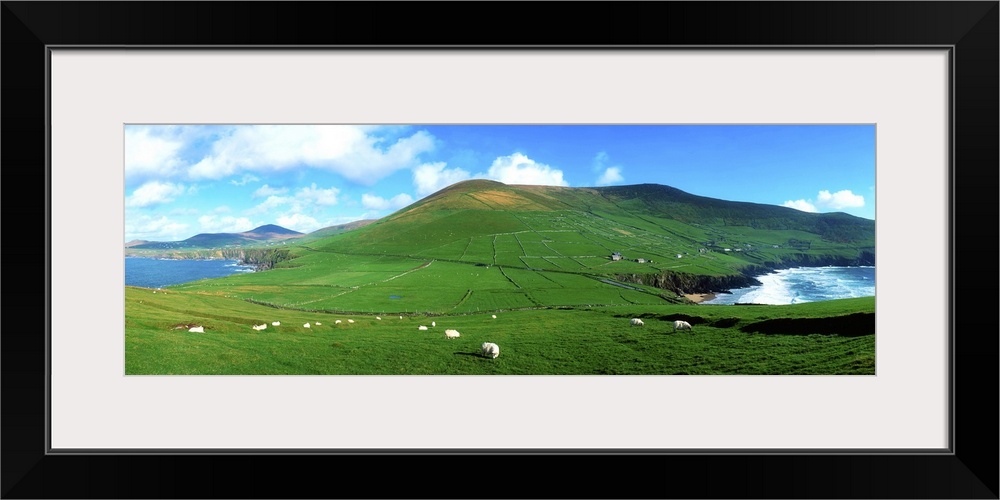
(275, 323)
(306, 325)
(350, 321)
(260, 327)
(494, 316)
(197, 329)
(681, 325)
(433, 323)
(378, 318)
(490, 350)
(337, 322)
(451, 334)
(319, 324)
(636, 322)
(421, 327)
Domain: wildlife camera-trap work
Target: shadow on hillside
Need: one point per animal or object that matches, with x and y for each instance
(725, 322)
(852, 325)
(694, 320)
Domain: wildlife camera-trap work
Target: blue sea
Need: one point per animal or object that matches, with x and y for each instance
(156, 273)
(804, 284)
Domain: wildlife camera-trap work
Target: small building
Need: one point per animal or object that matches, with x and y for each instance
(616, 256)
(641, 260)
(679, 256)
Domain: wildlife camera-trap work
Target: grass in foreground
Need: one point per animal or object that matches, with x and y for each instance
(834, 337)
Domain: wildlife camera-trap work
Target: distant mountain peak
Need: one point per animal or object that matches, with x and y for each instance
(271, 229)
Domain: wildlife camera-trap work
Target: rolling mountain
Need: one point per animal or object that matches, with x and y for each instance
(267, 233)
(656, 229)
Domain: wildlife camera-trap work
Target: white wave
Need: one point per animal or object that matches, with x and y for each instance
(798, 285)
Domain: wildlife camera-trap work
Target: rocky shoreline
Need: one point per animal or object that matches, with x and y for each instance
(697, 285)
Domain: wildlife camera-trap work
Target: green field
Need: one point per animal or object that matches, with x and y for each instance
(835, 337)
(537, 258)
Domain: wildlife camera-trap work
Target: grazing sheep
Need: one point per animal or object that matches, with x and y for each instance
(421, 327)
(197, 329)
(275, 323)
(433, 323)
(636, 322)
(306, 325)
(451, 334)
(260, 327)
(681, 325)
(400, 317)
(337, 322)
(350, 321)
(494, 316)
(319, 324)
(378, 318)
(490, 350)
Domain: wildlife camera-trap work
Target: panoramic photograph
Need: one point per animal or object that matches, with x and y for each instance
(410, 249)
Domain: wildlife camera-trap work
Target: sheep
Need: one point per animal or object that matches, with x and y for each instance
(260, 327)
(350, 321)
(421, 327)
(681, 325)
(197, 329)
(319, 324)
(378, 318)
(275, 323)
(451, 334)
(636, 322)
(433, 323)
(306, 325)
(337, 322)
(494, 316)
(490, 350)
(400, 317)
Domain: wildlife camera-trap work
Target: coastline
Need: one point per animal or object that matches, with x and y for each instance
(699, 297)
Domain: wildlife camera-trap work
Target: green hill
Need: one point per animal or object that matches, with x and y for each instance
(579, 229)
(268, 233)
(530, 268)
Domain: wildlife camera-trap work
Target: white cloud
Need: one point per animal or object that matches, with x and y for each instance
(144, 227)
(431, 177)
(839, 200)
(519, 169)
(184, 211)
(314, 195)
(610, 176)
(599, 162)
(802, 205)
(149, 153)
(222, 209)
(269, 204)
(356, 153)
(372, 202)
(301, 223)
(247, 178)
(154, 193)
(226, 224)
(266, 190)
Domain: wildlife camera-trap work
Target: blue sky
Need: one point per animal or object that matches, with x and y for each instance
(185, 180)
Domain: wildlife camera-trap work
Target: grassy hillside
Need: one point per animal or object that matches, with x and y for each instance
(835, 337)
(540, 259)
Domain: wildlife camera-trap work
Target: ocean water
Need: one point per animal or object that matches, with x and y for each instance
(804, 284)
(155, 273)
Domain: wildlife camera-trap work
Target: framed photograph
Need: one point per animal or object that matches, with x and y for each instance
(404, 197)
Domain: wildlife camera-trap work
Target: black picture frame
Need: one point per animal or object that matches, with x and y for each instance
(969, 28)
